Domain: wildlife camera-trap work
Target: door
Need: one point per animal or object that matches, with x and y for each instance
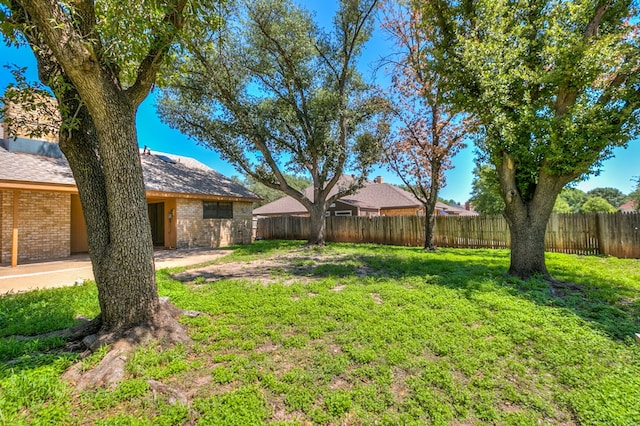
(156, 217)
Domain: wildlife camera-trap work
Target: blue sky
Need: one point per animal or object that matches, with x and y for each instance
(617, 172)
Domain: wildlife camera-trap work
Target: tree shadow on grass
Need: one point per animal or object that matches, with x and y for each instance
(606, 304)
(609, 304)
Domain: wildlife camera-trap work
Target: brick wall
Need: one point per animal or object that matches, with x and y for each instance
(194, 231)
(410, 211)
(44, 225)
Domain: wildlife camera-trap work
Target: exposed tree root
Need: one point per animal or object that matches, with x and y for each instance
(71, 335)
(172, 395)
(164, 328)
(108, 372)
(312, 244)
(559, 288)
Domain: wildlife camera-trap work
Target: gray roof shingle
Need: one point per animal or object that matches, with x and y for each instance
(372, 195)
(187, 175)
(32, 168)
(180, 175)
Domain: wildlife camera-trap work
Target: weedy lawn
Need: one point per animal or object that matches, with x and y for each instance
(350, 334)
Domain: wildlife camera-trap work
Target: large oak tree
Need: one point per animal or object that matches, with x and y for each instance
(100, 60)
(282, 97)
(555, 86)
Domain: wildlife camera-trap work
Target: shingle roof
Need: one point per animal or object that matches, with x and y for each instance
(628, 207)
(384, 195)
(33, 168)
(182, 175)
(459, 211)
(372, 195)
(188, 176)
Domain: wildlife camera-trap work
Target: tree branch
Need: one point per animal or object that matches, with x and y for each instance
(58, 32)
(150, 65)
(592, 27)
(567, 94)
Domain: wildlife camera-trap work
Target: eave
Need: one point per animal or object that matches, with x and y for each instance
(72, 189)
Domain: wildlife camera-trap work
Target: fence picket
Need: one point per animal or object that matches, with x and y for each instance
(614, 234)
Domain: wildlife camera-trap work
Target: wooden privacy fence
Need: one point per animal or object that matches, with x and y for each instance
(615, 234)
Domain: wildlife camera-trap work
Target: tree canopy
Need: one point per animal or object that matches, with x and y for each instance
(280, 96)
(485, 191)
(269, 194)
(555, 87)
(486, 198)
(574, 198)
(562, 206)
(427, 133)
(597, 205)
(613, 196)
(635, 195)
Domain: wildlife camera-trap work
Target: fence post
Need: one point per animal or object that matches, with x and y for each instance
(601, 234)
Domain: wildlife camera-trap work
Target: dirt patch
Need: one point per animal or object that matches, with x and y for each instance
(377, 299)
(280, 413)
(289, 268)
(196, 384)
(338, 383)
(339, 288)
(267, 347)
(334, 349)
(399, 387)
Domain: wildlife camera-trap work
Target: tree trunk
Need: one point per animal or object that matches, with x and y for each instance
(106, 166)
(527, 247)
(318, 225)
(99, 139)
(429, 225)
(80, 146)
(430, 207)
(527, 216)
(127, 288)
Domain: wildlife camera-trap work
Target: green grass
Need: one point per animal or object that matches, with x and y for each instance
(355, 334)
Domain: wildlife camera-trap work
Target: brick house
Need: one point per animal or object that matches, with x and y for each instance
(375, 198)
(628, 207)
(189, 204)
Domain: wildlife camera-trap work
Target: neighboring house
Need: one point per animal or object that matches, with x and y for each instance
(628, 207)
(374, 199)
(189, 204)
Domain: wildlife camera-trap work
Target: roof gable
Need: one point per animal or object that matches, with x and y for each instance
(628, 207)
(177, 174)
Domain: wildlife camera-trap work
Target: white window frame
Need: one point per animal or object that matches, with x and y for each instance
(343, 213)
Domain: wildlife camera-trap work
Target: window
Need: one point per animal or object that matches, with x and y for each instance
(217, 210)
(343, 213)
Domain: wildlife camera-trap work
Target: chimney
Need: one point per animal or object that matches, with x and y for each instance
(31, 116)
(378, 179)
(467, 206)
(31, 128)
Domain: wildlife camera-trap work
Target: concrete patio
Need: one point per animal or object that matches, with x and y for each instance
(77, 268)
